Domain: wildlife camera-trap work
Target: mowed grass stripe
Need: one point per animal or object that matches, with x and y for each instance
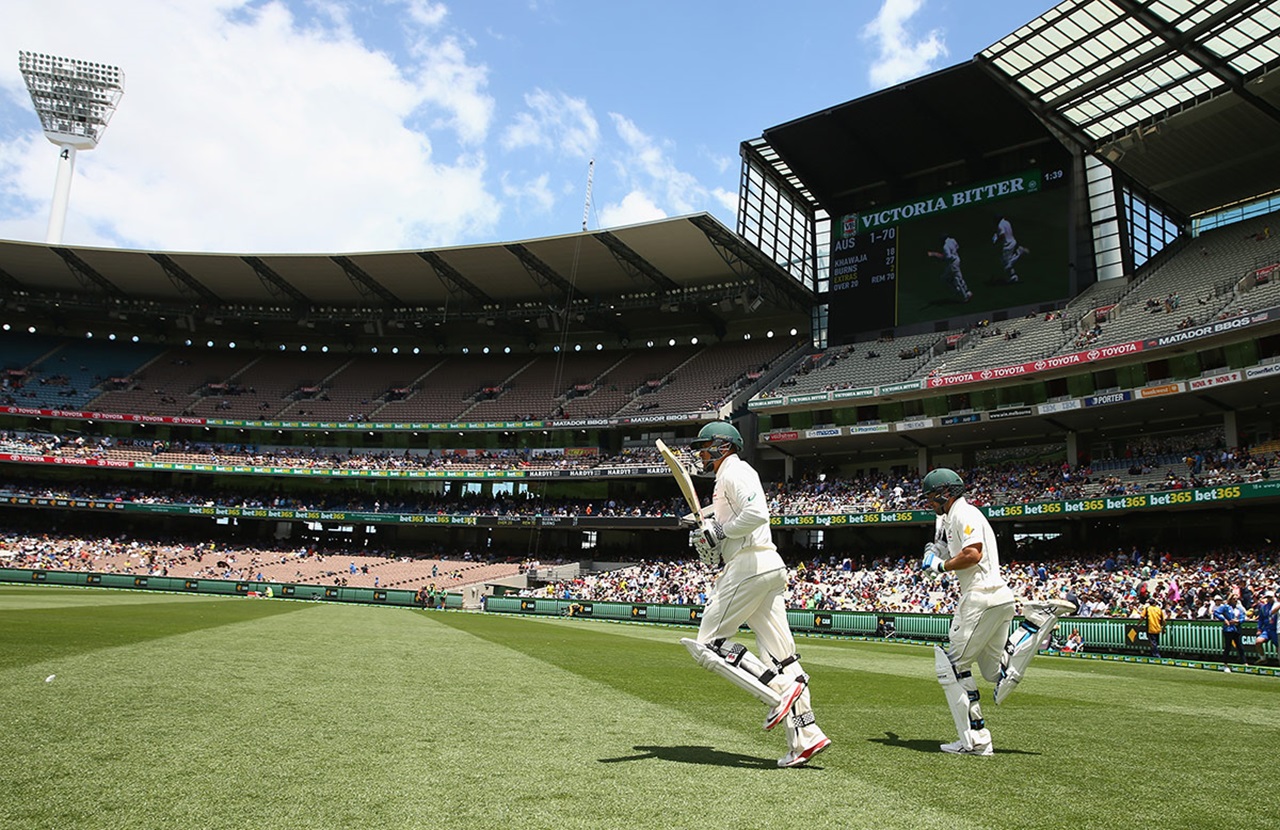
(662, 741)
(1067, 725)
(332, 715)
(65, 624)
(350, 716)
(15, 597)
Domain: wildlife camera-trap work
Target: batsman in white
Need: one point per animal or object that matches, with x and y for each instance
(949, 253)
(1010, 250)
(749, 589)
(965, 544)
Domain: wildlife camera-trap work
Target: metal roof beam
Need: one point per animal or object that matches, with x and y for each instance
(636, 266)
(1174, 42)
(87, 276)
(183, 281)
(754, 267)
(365, 284)
(1198, 53)
(543, 274)
(453, 279)
(275, 284)
(546, 276)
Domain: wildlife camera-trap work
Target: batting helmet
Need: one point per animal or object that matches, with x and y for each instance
(943, 483)
(717, 433)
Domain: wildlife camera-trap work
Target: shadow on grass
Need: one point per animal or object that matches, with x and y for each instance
(892, 739)
(703, 755)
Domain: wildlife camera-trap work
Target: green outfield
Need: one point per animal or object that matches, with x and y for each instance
(199, 712)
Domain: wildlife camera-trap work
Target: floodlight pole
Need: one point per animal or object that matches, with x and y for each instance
(75, 100)
(61, 194)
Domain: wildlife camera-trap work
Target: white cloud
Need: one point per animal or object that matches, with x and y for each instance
(554, 122)
(719, 161)
(634, 208)
(656, 187)
(426, 14)
(648, 165)
(902, 55)
(536, 192)
(449, 83)
(243, 129)
(321, 126)
(728, 200)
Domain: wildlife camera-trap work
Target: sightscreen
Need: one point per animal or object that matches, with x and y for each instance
(994, 244)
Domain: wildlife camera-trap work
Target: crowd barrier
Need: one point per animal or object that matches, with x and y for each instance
(192, 585)
(1109, 635)
(1181, 638)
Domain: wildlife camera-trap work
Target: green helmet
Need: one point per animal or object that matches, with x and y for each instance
(942, 482)
(717, 433)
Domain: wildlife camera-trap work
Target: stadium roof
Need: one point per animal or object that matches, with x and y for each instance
(691, 264)
(899, 142)
(658, 256)
(1175, 93)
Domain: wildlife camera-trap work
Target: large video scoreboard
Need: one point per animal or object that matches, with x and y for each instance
(989, 245)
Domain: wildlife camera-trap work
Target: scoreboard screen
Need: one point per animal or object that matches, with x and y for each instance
(994, 244)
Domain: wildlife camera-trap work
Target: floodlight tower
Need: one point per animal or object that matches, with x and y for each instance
(75, 100)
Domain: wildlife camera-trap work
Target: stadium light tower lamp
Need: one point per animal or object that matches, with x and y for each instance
(75, 100)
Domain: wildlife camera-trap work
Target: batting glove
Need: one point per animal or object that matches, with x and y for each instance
(934, 560)
(713, 531)
(707, 552)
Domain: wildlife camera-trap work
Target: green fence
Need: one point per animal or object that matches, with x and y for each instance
(191, 585)
(1182, 638)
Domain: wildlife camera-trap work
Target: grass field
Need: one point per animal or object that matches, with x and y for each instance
(200, 712)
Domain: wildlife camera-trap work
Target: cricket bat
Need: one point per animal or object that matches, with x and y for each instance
(683, 479)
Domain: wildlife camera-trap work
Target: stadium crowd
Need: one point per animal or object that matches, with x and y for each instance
(1142, 464)
(320, 458)
(309, 561)
(1114, 584)
(1117, 584)
(352, 500)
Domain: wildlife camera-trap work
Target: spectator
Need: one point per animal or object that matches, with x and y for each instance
(1231, 618)
(1153, 618)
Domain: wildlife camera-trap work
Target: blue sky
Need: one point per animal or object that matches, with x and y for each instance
(313, 126)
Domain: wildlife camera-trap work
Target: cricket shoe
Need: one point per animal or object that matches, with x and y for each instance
(789, 697)
(959, 748)
(799, 759)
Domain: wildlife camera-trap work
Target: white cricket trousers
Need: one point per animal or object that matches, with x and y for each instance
(979, 631)
(750, 590)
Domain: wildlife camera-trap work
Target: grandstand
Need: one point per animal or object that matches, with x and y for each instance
(565, 357)
(171, 382)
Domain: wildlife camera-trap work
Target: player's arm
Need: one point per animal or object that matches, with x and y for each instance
(971, 552)
(968, 556)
